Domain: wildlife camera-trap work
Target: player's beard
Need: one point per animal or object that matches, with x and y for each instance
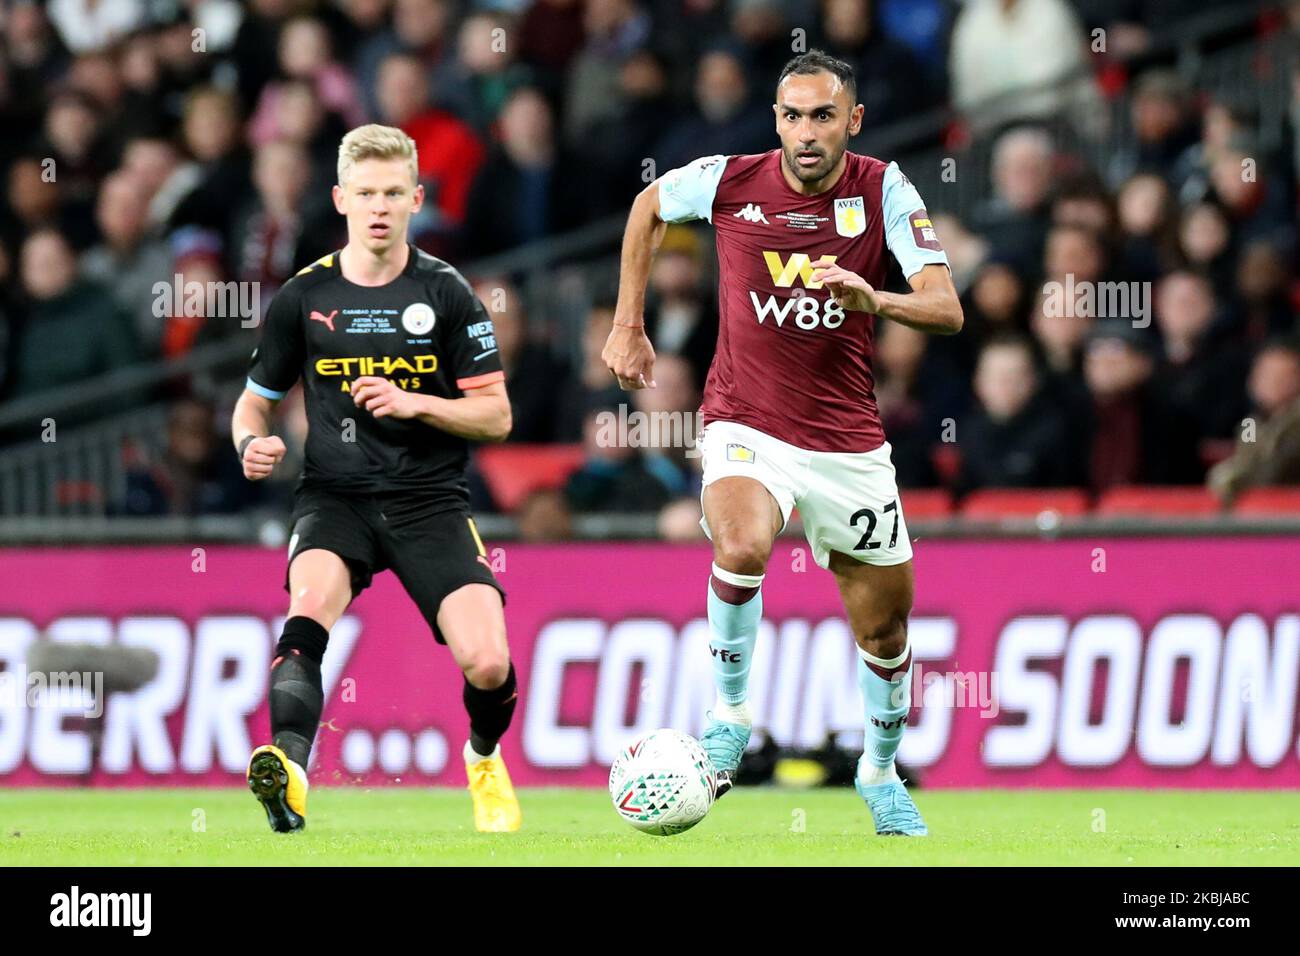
(812, 174)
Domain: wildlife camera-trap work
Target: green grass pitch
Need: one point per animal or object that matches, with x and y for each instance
(750, 826)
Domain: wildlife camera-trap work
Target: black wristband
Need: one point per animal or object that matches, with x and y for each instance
(243, 445)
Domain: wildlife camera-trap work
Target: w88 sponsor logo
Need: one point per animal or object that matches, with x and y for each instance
(807, 312)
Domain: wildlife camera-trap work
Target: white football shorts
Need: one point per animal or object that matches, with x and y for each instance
(848, 500)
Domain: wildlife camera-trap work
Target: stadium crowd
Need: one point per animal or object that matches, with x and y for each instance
(147, 139)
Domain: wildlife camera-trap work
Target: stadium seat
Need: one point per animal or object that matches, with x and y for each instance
(1269, 501)
(1023, 502)
(513, 472)
(924, 503)
(1138, 500)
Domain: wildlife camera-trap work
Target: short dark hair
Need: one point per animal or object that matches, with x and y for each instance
(816, 61)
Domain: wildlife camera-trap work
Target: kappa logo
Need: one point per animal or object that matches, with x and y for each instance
(753, 213)
(322, 317)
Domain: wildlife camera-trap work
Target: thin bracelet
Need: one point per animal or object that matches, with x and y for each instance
(244, 443)
(622, 325)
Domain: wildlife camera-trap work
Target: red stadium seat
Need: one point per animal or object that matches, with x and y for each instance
(1023, 502)
(1269, 501)
(513, 472)
(1137, 500)
(923, 503)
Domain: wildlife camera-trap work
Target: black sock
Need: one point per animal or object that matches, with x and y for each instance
(490, 712)
(296, 694)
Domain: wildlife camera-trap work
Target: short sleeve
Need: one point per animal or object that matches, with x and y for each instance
(908, 231)
(468, 338)
(687, 193)
(278, 359)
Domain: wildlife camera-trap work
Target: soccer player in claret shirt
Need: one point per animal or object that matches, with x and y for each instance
(804, 233)
(400, 369)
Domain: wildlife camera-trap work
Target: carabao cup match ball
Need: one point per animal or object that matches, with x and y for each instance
(663, 783)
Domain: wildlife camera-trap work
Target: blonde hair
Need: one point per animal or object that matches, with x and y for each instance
(375, 142)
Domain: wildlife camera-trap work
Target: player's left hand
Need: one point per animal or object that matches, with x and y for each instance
(850, 290)
(383, 398)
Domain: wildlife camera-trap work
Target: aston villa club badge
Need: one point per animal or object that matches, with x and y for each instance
(850, 216)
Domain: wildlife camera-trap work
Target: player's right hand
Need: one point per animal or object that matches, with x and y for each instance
(630, 356)
(261, 456)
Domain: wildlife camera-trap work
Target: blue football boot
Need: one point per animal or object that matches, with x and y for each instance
(724, 743)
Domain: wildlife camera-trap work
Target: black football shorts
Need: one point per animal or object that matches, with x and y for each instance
(432, 548)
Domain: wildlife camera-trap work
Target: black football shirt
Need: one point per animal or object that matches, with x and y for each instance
(426, 331)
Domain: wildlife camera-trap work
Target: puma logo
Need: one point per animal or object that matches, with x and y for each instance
(321, 317)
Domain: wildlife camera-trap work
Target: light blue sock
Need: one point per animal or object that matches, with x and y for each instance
(886, 702)
(733, 631)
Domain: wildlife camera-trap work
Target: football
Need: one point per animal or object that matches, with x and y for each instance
(663, 783)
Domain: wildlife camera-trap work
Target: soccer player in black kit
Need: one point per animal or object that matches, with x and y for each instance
(401, 371)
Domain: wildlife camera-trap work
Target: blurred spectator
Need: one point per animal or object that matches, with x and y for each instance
(1073, 254)
(616, 150)
(535, 379)
(162, 173)
(449, 153)
(997, 301)
(198, 260)
(282, 228)
(1013, 439)
(681, 311)
(94, 24)
(1012, 220)
(1136, 436)
(73, 329)
(726, 119)
(551, 33)
(762, 28)
(256, 46)
(670, 413)
(892, 85)
(69, 144)
(1146, 220)
(1261, 308)
(420, 27)
(1162, 126)
(476, 85)
(1258, 203)
(1205, 243)
(131, 258)
(1269, 453)
(899, 355)
(301, 118)
(614, 476)
(36, 59)
(305, 54)
(33, 200)
(526, 190)
(594, 386)
(196, 475)
(544, 516)
(614, 30)
(1009, 58)
(1202, 374)
(679, 520)
(213, 135)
